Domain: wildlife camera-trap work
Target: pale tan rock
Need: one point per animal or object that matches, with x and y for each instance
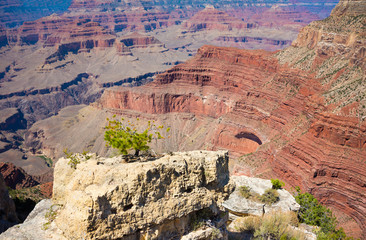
(105, 198)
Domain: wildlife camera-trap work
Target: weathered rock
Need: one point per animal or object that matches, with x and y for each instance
(239, 205)
(205, 234)
(8, 216)
(109, 199)
(35, 226)
(211, 18)
(16, 177)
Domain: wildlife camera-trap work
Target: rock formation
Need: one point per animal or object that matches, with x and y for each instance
(16, 178)
(305, 104)
(8, 215)
(240, 206)
(102, 198)
(211, 18)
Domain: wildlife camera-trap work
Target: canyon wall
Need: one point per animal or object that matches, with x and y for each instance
(305, 104)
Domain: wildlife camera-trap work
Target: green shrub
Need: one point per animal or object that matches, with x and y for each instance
(125, 136)
(270, 196)
(245, 191)
(313, 213)
(73, 158)
(277, 184)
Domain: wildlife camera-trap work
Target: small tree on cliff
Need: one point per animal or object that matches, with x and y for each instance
(125, 136)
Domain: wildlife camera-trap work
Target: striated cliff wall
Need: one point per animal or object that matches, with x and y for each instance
(306, 105)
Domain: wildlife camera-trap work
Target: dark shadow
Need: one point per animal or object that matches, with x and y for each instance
(249, 136)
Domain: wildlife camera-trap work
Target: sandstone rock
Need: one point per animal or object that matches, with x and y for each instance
(109, 199)
(205, 234)
(8, 216)
(239, 205)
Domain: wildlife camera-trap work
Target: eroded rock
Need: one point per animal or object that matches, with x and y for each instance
(109, 199)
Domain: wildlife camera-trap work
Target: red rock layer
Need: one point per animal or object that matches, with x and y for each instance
(15, 177)
(260, 102)
(211, 18)
(137, 40)
(291, 17)
(245, 41)
(222, 83)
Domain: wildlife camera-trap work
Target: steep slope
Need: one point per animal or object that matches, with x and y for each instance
(305, 104)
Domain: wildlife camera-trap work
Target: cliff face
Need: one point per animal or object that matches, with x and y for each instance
(304, 107)
(160, 199)
(211, 18)
(145, 202)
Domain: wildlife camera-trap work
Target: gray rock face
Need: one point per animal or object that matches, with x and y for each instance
(238, 205)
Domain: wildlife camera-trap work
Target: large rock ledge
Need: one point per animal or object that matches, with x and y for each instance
(106, 198)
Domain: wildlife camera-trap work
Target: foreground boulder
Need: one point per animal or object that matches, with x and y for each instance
(240, 206)
(107, 198)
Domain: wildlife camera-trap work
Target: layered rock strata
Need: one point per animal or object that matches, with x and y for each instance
(305, 104)
(211, 18)
(16, 178)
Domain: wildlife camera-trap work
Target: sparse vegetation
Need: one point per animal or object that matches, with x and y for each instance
(245, 191)
(275, 225)
(277, 184)
(313, 213)
(279, 225)
(125, 136)
(75, 158)
(250, 223)
(50, 216)
(270, 196)
(48, 160)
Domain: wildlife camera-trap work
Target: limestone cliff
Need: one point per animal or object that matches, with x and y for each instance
(107, 198)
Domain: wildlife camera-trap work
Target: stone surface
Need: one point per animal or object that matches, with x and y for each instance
(33, 226)
(108, 200)
(238, 205)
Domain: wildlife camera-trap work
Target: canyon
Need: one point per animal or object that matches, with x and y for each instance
(297, 114)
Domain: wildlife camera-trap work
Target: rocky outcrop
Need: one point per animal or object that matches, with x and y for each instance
(305, 104)
(107, 200)
(15, 177)
(241, 206)
(162, 198)
(248, 42)
(136, 40)
(211, 19)
(35, 226)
